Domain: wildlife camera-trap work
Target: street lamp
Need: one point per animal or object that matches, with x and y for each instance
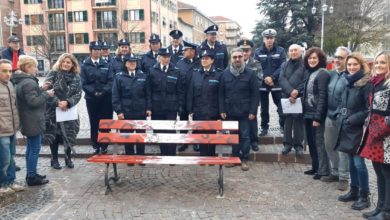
(12, 21)
(324, 8)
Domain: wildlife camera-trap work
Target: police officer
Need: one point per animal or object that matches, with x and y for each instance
(271, 58)
(176, 48)
(246, 46)
(221, 54)
(238, 101)
(96, 81)
(202, 95)
(150, 58)
(167, 93)
(105, 55)
(124, 49)
(187, 65)
(131, 97)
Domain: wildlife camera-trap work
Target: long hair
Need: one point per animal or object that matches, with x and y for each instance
(76, 67)
(359, 58)
(321, 57)
(385, 53)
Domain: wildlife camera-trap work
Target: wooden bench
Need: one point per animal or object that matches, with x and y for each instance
(218, 138)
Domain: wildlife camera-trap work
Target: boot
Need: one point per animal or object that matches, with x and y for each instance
(363, 201)
(68, 160)
(374, 212)
(286, 149)
(54, 163)
(299, 151)
(383, 215)
(352, 195)
(36, 181)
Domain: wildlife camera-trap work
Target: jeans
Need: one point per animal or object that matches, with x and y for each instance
(32, 154)
(382, 172)
(242, 149)
(358, 172)
(7, 163)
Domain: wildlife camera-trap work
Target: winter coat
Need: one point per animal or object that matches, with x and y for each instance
(9, 118)
(175, 57)
(352, 111)
(221, 59)
(256, 67)
(7, 53)
(376, 137)
(147, 62)
(31, 103)
(67, 87)
(336, 88)
(96, 79)
(292, 76)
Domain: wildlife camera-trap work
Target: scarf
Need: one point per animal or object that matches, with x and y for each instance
(353, 78)
(15, 57)
(376, 80)
(237, 72)
(61, 86)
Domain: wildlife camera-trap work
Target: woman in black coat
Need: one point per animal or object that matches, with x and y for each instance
(315, 99)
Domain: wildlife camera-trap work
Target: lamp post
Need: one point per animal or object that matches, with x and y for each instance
(324, 8)
(12, 21)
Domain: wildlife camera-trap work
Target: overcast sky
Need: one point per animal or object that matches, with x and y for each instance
(244, 11)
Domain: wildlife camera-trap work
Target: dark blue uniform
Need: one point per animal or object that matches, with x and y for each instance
(270, 60)
(108, 59)
(221, 60)
(167, 98)
(148, 61)
(131, 96)
(97, 79)
(202, 100)
(239, 97)
(175, 57)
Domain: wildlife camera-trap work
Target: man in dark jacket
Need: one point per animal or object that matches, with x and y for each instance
(246, 46)
(176, 48)
(291, 80)
(221, 54)
(13, 51)
(271, 57)
(238, 101)
(105, 55)
(117, 62)
(96, 80)
(150, 58)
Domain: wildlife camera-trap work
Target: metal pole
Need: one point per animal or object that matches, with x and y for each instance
(322, 27)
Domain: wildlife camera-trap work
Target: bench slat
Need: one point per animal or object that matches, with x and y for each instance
(180, 160)
(133, 138)
(168, 125)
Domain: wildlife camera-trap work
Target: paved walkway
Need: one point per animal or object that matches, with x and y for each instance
(266, 191)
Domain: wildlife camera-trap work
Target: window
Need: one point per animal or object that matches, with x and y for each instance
(155, 17)
(133, 15)
(110, 38)
(41, 65)
(54, 4)
(33, 19)
(57, 43)
(56, 22)
(77, 16)
(135, 37)
(79, 38)
(112, 2)
(32, 1)
(164, 22)
(35, 40)
(106, 19)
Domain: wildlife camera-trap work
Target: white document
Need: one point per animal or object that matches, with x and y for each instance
(291, 108)
(69, 115)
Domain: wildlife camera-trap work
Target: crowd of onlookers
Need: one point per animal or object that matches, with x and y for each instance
(344, 116)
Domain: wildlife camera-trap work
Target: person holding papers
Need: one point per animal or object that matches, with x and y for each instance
(65, 80)
(291, 80)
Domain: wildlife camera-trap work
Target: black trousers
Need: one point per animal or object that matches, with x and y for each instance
(264, 107)
(98, 109)
(54, 147)
(205, 149)
(129, 148)
(253, 132)
(166, 149)
(311, 141)
(382, 172)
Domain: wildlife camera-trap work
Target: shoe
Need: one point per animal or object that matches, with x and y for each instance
(330, 178)
(16, 187)
(383, 215)
(69, 163)
(244, 166)
(17, 168)
(343, 185)
(40, 176)
(317, 177)
(286, 149)
(6, 191)
(372, 213)
(142, 165)
(230, 165)
(309, 172)
(36, 181)
(352, 195)
(96, 151)
(182, 148)
(299, 151)
(362, 202)
(103, 150)
(196, 147)
(263, 132)
(55, 164)
(255, 147)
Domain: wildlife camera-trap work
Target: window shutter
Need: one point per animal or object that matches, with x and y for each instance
(141, 14)
(41, 19)
(85, 16)
(70, 16)
(27, 19)
(86, 38)
(142, 37)
(71, 38)
(40, 1)
(25, 1)
(125, 15)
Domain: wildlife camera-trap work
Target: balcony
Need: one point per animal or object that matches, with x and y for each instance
(232, 35)
(231, 27)
(105, 26)
(109, 5)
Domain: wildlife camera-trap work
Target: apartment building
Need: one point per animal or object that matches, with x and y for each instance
(9, 15)
(229, 31)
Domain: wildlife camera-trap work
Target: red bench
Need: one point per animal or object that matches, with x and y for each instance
(172, 138)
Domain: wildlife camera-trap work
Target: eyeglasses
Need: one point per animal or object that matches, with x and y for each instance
(339, 57)
(237, 57)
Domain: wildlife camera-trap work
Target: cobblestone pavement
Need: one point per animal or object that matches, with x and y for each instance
(266, 191)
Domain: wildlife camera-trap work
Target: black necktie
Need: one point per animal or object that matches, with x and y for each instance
(175, 51)
(155, 56)
(96, 63)
(164, 68)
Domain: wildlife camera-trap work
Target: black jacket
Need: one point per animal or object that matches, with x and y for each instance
(336, 88)
(131, 95)
(292, 76)
(238, 95)
(7, 53)
(147, 62)
(177, 56)
(221, 60)
(202, 95)
(186, 68)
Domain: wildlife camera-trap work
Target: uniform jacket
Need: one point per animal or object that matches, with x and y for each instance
(7, 53)
(131, 95)
(336, 87)
(147, 62)
(292, 76)
(9, 118)
(256, 67)
(238, 95)
(221, 60)
(116, 65)
(186, 68)
(175, 57)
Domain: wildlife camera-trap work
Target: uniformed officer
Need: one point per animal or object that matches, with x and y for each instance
(150, 58)
(271, 58)
(187, 65)
(246, 46)
(221, 54)
(238, 101)
(131, 97)
(117, 62)
(167, 93)
(176, 48)
(202, 96)
(106, 55)
(96, 81)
